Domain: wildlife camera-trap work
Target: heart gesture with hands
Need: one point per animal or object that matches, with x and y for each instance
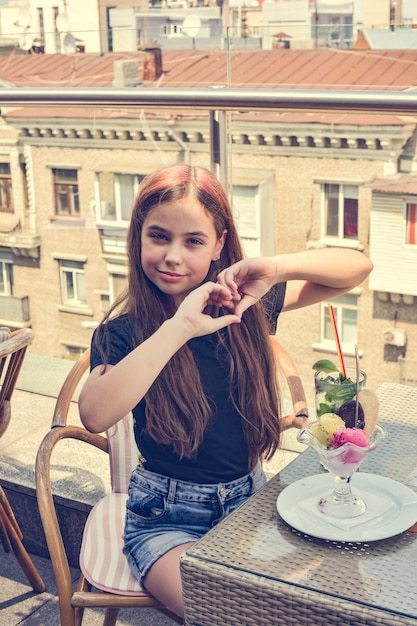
(249, 280)
(190, 312)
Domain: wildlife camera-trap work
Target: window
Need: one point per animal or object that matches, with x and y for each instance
(253, 210)
(115, 194)
(55, 13)
(41, 23)
(73, 282)
(6, 278)
(346, 314)
(118, 284)
(245, 205)
(109, 29)
(172, 30)
(66, 192)
(6, 193)
(411, 224)
(340, 215)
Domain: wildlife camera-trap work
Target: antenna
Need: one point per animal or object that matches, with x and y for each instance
(25, 41)
(191, 27)
(69, 44)
(62, 22)
(24, 18)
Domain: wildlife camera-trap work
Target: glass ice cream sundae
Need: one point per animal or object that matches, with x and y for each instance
(342, 442)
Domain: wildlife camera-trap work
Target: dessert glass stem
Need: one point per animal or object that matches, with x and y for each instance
(342, 502)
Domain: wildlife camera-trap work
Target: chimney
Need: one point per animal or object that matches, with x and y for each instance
(126, 73)
(152, 65)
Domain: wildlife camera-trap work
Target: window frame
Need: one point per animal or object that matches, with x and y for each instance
(6, 188)
(57, 34)
(410, 230)
(117, 208)
(327, 343)
(6, 271)
(75, 269)
(341, 211)
(71, 192)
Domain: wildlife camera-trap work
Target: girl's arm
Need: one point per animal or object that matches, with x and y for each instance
(109, 396)
(311, 276)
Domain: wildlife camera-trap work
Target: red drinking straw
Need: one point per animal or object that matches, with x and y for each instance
(336, 336)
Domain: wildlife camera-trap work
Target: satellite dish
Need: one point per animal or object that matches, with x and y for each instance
(62, 23)
(69, 44)
(24, 17)
(191, 26)
(26, 41)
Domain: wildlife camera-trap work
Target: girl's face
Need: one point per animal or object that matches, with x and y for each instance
(179, 242)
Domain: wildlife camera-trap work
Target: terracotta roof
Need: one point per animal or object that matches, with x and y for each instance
(278, 68)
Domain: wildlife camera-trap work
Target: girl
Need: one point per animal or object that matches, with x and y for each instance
(187, 350)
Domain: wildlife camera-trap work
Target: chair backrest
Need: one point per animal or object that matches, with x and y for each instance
(123, 453)
(12, 352)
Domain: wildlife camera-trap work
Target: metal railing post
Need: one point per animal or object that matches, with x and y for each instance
(218, 146)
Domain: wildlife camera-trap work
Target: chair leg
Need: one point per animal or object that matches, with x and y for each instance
(13, 537)
(78, 615)
(7, 513)
(4, 535)
(110, 617)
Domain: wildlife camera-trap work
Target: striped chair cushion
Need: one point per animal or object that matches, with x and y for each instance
(101, 558)
(123, 453)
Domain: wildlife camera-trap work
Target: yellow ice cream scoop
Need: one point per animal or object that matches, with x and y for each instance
(327, 424)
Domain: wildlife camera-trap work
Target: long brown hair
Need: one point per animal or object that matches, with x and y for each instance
(177, 411)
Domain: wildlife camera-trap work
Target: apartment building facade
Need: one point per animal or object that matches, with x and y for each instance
(68, 178)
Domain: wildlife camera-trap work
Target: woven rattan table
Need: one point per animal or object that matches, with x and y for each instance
(255, 570)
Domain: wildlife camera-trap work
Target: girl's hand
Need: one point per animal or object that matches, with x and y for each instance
(249, 280)
(190, 312)
(293, 421)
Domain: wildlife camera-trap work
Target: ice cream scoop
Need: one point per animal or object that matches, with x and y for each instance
(368, 408)
(348, 414)
(327, 424)
(356, 436)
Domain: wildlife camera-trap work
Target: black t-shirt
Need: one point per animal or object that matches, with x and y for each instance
(223, 456)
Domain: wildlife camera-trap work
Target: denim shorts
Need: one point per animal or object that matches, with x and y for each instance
(163, 513)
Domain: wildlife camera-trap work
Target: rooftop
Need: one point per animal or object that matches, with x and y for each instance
(392, 70)
(250, 69)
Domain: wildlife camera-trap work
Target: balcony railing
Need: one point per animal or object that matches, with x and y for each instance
(217, 102)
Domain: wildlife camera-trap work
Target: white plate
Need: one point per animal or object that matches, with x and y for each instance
(391, 508)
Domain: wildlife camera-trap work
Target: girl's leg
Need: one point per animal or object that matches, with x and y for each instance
(163, 580)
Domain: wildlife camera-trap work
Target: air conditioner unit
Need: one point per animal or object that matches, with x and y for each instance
(107, 210)
(395, 337)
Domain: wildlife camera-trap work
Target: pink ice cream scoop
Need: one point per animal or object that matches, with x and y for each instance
(349, 435)
(350, 456)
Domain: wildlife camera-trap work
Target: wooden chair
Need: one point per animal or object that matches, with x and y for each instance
(12, 353)
(106, 580)
(288, 370)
